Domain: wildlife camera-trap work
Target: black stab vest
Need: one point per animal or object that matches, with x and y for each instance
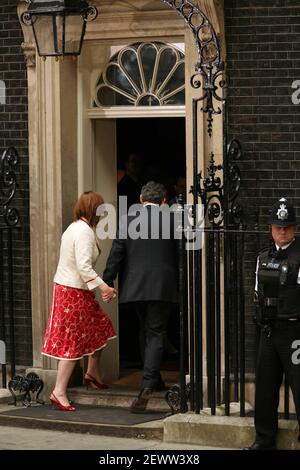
(288, 295)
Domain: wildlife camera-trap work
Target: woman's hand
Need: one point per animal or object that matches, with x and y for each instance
(107, 293)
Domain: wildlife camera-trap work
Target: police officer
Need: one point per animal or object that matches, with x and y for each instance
(277, 293)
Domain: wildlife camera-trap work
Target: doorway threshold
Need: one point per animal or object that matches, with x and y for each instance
(132, 378)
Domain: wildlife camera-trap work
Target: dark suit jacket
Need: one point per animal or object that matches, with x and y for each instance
(147, 266)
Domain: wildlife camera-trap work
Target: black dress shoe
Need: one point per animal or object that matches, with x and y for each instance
(139, 404)
(258, 446)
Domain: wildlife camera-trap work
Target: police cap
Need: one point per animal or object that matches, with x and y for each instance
(282, 214)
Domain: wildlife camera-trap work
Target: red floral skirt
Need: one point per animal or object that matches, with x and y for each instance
(77, 325)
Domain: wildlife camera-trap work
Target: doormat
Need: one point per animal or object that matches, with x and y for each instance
(86, 414)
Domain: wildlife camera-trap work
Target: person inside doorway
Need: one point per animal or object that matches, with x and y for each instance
(129, 185)
(179, 189)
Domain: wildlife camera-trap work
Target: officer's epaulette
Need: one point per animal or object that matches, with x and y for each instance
(265, 249)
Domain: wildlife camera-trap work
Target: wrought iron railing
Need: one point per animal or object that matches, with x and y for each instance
(9, 223)
(213, 326)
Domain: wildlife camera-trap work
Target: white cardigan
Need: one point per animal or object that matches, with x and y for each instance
(78, 254)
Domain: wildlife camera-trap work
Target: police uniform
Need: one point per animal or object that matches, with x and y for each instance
(278, 299)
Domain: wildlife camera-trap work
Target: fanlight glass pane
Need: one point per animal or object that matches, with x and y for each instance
(74, 27)
(115, 76)
(166, 63)
(178, 99)
(148, 57)
(48, 31)
(175, 81)
(143, 77)
(109, 97)
(129, 61)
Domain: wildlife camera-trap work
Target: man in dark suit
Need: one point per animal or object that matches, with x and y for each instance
(145, 256)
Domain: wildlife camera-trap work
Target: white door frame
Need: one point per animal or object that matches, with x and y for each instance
(96, 117)
(115, 112)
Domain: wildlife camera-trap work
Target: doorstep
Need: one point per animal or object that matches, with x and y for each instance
(120, 396)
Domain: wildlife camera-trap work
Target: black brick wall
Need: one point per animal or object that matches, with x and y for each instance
(14, 132)
(263, 60)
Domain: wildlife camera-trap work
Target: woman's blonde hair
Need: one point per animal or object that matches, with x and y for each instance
(86, 207)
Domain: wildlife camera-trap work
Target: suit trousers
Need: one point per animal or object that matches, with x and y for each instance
(277, 355)
(153, 318)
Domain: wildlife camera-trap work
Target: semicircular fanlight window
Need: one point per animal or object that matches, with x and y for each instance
(143, 74)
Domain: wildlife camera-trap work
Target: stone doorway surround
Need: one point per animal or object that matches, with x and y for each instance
(55, 112)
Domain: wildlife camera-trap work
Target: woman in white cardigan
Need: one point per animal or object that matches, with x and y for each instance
(77, 325)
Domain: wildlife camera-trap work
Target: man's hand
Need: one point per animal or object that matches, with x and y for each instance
(107, 293)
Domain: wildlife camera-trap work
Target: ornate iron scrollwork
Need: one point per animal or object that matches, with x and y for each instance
(211, 189)
(209, 67)
(26, 386)
(234, 153)
(211, 192)
(8, 186)
(173, 397)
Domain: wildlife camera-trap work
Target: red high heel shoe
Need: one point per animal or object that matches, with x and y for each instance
(62, 407)
(88, 380)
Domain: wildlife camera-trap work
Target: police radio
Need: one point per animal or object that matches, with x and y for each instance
(272, 275)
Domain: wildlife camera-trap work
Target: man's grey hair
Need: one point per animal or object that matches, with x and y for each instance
(153, 192)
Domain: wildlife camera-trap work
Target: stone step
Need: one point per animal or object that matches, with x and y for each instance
(116, 396)
(224, 431)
